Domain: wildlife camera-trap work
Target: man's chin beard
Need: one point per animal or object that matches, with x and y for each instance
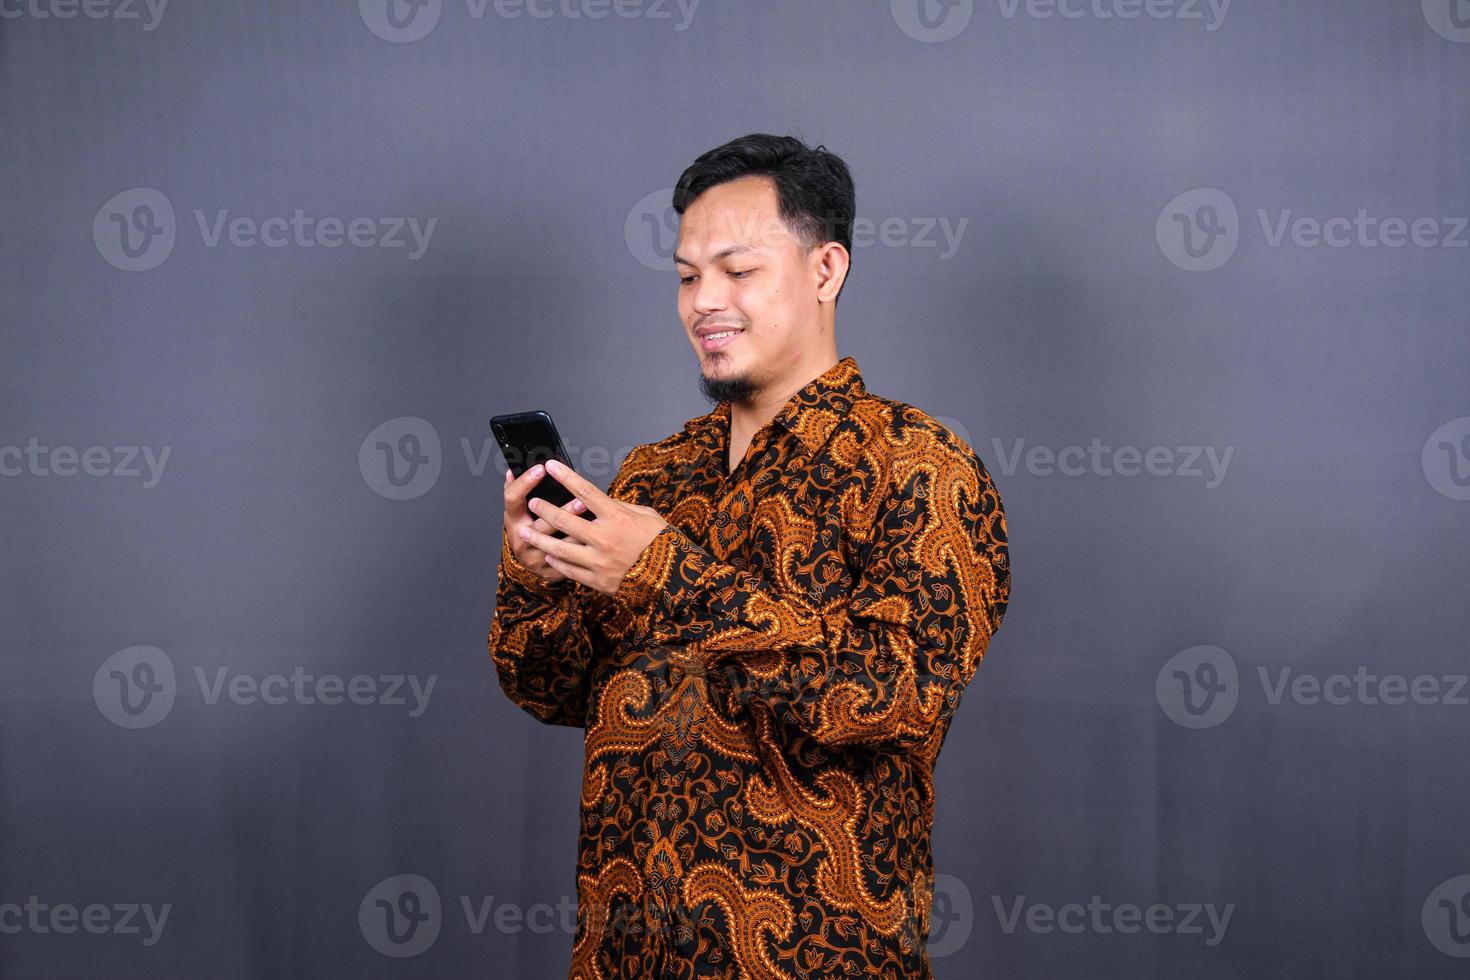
(737, 390)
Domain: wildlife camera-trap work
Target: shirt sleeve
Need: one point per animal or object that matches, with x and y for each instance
(887, 665)
(545, 636)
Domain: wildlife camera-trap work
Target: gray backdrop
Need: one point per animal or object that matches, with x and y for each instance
(1191, 279)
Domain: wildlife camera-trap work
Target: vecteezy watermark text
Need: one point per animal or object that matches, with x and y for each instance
(651, 231)
(1104, 918)
(136, 230)
(404, 914)
(405, 21)
(935, 21)
(402, 458)
(136, 688)
(1200, 229)
(98, 918)
(1201, 686)
(35, 459)
(1099, 459)
(122, 10)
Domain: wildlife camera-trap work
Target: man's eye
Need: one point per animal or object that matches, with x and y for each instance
(741, 273)
(686, 280)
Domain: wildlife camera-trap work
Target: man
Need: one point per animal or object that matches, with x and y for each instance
(768, 626)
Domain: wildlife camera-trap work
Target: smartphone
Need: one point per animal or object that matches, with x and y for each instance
(528, 438)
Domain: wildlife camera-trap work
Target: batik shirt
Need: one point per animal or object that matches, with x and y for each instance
(765, 695)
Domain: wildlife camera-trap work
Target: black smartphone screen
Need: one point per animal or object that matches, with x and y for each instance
(528, 438)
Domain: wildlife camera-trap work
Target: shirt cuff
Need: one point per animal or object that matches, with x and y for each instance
(518, 573)
(665, 575)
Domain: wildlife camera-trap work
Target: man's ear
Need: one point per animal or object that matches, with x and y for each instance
(829, 264)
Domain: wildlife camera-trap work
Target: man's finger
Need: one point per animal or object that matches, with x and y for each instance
(518, 491)
(569, 550)
(562, 520)
(573, 481)
(573, 506)
(574, 572)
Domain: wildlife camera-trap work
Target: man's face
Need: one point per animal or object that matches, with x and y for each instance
(741, 269)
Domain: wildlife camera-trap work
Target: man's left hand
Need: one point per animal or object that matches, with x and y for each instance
(597, 553)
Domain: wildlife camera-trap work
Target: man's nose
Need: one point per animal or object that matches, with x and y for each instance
(709, 295)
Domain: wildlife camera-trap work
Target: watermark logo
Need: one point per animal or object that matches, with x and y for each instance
(401, 458)
(135, 688)
(1446, 459)
(401, 916)
(1446, 917)
(1198, 230)
(404, 915)
(400, 21)
(932, 21)
(135, 230)
(952, 916)
(1198, 687)
(651, 230)
(1450, 19)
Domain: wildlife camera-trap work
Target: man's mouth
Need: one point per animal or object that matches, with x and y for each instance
(718, 339)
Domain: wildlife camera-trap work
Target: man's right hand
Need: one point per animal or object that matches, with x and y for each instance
(517, 516)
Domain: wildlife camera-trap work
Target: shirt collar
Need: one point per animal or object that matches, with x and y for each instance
(811, 414)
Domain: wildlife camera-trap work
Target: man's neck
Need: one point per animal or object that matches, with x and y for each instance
(746, 420)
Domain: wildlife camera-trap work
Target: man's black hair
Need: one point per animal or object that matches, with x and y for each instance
(813, 186)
